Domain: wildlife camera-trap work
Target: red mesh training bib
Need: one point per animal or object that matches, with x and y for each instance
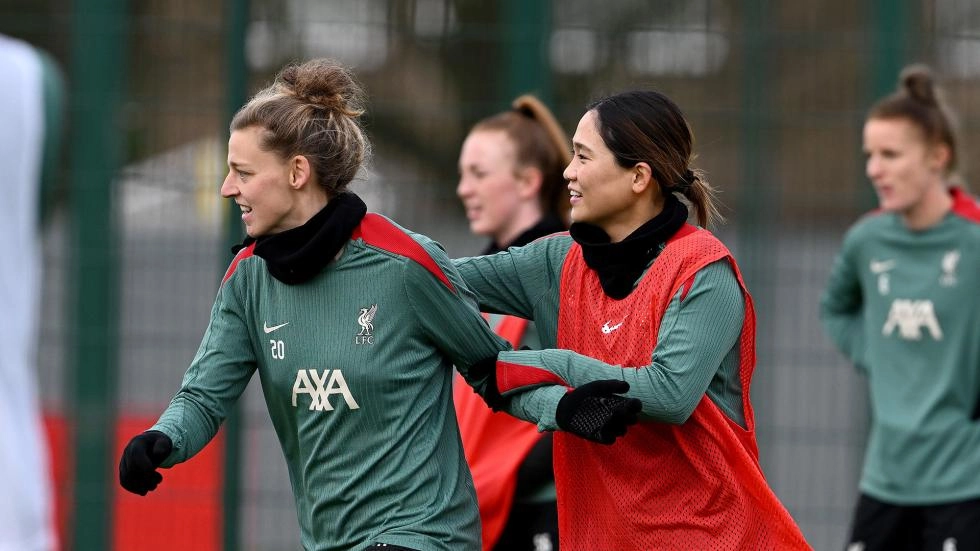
(692, 486)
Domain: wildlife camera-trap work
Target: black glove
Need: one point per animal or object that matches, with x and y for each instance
(594, 411)
(139, 462)
(487, 369)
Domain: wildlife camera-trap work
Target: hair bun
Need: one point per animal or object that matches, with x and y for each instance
(325, 83)
(917, 81)
(288, 75)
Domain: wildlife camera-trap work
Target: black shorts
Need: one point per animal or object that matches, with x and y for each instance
(880, 526)
(530, 527)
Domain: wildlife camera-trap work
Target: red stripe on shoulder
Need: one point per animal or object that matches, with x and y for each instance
(965, 205)
(242, 255)
(686, 287)
(684, 231)
(511, 376)
(379, 231)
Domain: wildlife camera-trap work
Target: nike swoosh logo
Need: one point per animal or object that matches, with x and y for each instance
(882, 266)
(607, 329)
(268, 329)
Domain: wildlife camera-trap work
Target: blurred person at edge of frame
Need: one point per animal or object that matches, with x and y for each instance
(634, 292)
(513, 191)
(31, 108)
(354, 325)
(903, 304)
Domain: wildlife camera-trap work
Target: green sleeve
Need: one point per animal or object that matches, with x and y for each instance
(216, 378)
(841, 304)
(513, 281)
(537, 405)
(449, 317)
(454, 324)
(53, 85)
(696, 339)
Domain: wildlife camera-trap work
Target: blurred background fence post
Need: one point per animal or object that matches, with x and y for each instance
(95, 94)
(526, 28)
(236, 91)
(894, 41)
(754, 203)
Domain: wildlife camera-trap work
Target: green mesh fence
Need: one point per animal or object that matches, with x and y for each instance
(776, 94)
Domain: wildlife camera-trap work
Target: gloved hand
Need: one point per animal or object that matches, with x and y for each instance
(594, 411)
(139, 462)
(487, 369)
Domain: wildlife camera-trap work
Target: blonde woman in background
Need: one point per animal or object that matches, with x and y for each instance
(513, 191)
(903, 303)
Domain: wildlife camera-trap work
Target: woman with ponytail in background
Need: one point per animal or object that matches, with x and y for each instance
(635, 294)
(513, 191)
(903, 303)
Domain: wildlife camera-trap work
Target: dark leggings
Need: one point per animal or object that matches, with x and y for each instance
(880, 526)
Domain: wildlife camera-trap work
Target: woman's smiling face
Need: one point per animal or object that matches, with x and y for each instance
(258, 182)
(601, 190)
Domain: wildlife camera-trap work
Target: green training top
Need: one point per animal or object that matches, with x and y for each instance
(687, 362)
(356, 368)
(904, 306)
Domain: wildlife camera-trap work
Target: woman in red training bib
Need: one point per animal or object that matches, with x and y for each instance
(633, 292)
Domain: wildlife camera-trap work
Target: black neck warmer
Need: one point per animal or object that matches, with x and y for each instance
(546, 226)
(619, 265)
(297, 255)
